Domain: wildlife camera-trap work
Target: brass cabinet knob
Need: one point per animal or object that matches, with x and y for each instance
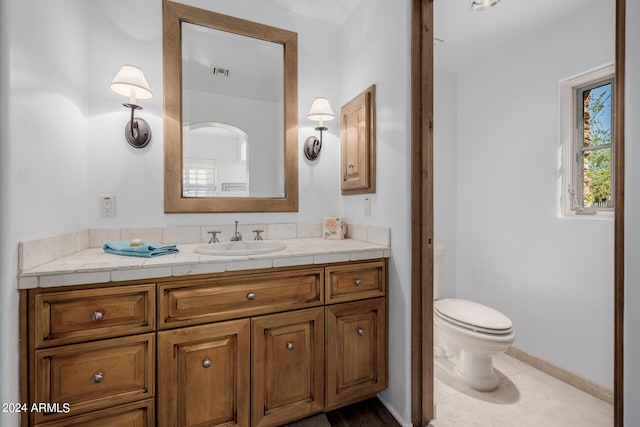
(251, 296)
(361, 332)
(206, 363)
(97, 315)
(97, 378)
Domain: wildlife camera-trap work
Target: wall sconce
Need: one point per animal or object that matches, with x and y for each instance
(320, 111)
(130, 82)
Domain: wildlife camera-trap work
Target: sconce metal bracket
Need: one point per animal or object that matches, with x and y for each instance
(313, 145)
(137, 131)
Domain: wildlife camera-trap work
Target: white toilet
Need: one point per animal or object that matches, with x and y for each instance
(467, 334)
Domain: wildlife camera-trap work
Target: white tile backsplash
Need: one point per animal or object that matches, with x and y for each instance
(178, 235)
(153, 235)
(357, 231)
(64, 245)
(281, 231)
(100, 236)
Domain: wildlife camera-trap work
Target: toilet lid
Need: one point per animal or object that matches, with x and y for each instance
(472, 315)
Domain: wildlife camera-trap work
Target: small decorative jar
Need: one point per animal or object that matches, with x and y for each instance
(334, 228)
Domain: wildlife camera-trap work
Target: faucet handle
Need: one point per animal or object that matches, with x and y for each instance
(258, 236)
(214, 238)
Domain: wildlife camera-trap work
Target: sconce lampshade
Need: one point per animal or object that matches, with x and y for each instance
(130, 82)
(320, 110)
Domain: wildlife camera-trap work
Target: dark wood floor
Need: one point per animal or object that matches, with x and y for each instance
(370, 413)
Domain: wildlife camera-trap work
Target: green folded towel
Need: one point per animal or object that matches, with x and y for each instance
(146, 250)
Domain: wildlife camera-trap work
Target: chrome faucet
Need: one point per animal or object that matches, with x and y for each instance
(236, 236)
(214, 238)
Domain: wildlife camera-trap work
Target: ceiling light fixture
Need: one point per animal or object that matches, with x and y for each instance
(479, 5)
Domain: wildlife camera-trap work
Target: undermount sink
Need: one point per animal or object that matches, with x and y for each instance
(250, 247)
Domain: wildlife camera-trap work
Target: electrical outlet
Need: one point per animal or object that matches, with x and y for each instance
(107, 206)
(367, 206)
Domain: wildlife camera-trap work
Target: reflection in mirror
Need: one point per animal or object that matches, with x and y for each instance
(207, 145)
(233, 83)
(231, 113)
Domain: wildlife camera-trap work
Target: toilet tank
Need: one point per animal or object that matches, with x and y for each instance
(438, 267)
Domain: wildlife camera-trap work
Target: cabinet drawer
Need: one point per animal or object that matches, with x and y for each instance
(236, 296)
(138, 414)
(356, 281)
(88, 314)
(95, 375)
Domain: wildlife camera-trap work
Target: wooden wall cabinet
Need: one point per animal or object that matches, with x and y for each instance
(249, 349)
(358, 143)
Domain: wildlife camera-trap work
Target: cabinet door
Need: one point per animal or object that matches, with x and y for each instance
(356, 351)
(357, 135)
(204, 375)
(288, 366)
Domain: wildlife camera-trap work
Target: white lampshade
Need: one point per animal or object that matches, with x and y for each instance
(320, 110)
(130, 82)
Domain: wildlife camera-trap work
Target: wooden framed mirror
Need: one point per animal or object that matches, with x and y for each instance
(230, 113)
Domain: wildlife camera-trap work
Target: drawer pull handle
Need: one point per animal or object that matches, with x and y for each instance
(97, 378)
(290, 346)
(358, 282)
(97, 315)
(361, 332)
(206, 363)
(251, 296)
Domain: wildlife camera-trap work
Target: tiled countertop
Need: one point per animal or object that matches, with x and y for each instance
(95, 266)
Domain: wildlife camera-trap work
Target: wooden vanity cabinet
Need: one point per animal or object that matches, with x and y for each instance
(251, 348)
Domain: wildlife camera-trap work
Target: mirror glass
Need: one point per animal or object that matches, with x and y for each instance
(230, 113)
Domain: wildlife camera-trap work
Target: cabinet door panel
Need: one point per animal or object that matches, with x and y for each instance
(204, 375)
(356, 351)
(288, 366)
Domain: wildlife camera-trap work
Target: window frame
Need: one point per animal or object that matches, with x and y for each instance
(572, 111)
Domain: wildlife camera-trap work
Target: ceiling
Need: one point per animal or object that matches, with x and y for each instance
(469, 35)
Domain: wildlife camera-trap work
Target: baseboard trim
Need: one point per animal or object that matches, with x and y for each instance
(393, 411)
(602, 393)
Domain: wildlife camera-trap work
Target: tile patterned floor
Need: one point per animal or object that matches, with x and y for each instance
(525, 397)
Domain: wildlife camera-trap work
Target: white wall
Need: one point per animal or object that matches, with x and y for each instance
(632, 220)
(44, 133)
(445, 174)
(371, 55)
(552, 276)
(95, 39)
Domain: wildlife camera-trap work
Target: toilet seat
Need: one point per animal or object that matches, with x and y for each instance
(473, 316)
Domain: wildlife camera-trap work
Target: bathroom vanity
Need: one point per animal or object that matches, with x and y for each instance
(245, 347)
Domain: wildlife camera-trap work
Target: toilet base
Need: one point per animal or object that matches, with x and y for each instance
(475, 371)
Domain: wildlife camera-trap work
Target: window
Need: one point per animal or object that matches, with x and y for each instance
(199, 178)
(588, 110)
